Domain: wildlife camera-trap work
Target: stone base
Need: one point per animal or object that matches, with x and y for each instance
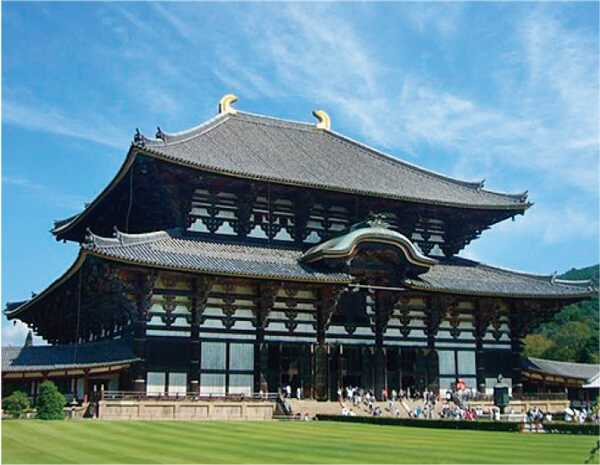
(184, 410)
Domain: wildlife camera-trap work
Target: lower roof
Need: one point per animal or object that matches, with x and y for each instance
(461, 276)
(582, 371)
(451, 275)
(172, 250)
(64, 357)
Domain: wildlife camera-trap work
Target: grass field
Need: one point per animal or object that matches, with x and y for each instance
(31, 441)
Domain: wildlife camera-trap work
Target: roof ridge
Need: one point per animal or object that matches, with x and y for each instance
(275, 119)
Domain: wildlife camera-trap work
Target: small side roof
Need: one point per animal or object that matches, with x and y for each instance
(582, 371)
(64, 357)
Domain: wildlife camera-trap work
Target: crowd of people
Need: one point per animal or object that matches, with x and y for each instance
(456, 405)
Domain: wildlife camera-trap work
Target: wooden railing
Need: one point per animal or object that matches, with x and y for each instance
(136, 395)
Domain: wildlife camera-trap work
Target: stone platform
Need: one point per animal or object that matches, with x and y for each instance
(149, 409)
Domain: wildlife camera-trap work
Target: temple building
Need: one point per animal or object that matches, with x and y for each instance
(253, 252)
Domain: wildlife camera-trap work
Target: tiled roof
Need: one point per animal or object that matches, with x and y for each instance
(461, 276)
(261, 147)
(455, 275)
(170, 249)
(583, 371)
(47, 358)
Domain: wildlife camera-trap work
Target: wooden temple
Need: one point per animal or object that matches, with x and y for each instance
(253, 252)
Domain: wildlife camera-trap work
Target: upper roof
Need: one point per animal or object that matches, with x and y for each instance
(583, 371)
(271, 149)
(47, 358)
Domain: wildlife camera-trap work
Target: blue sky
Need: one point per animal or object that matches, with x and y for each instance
(502, 91)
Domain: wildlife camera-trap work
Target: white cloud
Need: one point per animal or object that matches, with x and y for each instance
(14, 333)
(71, 202)
(560, 224)
(43, 118)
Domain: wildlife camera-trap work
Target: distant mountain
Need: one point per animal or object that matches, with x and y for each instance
(573, 334)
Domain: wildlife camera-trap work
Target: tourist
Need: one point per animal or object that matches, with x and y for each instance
(288, 391)
(299, 393)
(394, 395)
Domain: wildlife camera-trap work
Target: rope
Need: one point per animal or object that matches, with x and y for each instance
(130, 205)
(78, 315)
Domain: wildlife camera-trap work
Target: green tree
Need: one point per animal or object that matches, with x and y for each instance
(574, 330)
(570, 342)
(16, 403)
(536, 345)
(50, 402)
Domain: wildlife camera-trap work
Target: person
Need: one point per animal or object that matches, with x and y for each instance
(384, 394)
(394, 395)
(288, 391)
(448, 395)
(299, 393)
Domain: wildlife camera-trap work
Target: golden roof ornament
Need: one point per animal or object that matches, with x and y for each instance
(225, 104)
(324, 119)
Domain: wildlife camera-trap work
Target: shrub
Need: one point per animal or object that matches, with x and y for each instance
(50, 402)
(482, 425)
(573, 428)
(422, 423)
(16, 403)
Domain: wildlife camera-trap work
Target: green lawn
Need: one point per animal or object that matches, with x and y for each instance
(31, 441)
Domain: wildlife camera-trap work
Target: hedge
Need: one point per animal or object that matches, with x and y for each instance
(573, 428)
(485, 425)
(482, 425)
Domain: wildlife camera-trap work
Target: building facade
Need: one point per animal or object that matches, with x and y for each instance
(252, 252)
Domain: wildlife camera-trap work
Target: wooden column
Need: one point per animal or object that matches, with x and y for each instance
(484, 312)
(328, 299)
(267, 293)
(201, 288)
(435, 311)
(384, 307)
(517, 329)
(144, 290)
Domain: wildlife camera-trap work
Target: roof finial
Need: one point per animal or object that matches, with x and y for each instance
(160, 134)
(324, 119)
(225, 104)
(138, 139)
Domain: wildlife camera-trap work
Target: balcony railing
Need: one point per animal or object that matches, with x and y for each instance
(180, 396)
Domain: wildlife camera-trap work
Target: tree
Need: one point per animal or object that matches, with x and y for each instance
(536, 345)
(570, 342)
(50, 402)
(16, 403)
(29, 339)
(573, 332)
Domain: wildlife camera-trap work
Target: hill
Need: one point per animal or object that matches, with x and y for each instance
(573, 334)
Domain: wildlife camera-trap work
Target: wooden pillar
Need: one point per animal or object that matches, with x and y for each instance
(86, 385)
(384, 307)
(144, 290)
(201, 288)
(435, 311)
(517, 327)
(484, 311)
(328, 299)
(267, 293)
